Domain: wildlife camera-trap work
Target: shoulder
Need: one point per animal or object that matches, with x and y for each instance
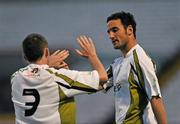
(141, 54)
(60, 71)
(13, 75)
(141, 57)
(18, 71)
(118, 60)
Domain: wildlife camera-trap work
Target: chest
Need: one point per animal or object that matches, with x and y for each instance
(121, 71)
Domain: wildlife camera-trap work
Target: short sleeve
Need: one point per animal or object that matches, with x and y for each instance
(150, 79)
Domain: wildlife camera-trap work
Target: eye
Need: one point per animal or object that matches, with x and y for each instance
(114, 30)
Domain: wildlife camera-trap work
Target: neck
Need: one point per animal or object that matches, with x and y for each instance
(41, 62)
(128, 46)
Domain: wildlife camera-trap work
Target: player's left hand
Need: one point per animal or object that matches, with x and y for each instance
(57, 58)
(63, 65)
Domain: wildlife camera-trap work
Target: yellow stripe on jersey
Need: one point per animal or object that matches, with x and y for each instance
(138, 97)
(67, 109)
(138, 69)
(62, 95)
(138, 102)
(74, 84)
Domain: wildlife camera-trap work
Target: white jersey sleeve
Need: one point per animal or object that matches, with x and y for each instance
(148, 72)
(73, 82)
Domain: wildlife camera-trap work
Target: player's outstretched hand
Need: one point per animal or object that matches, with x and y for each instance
(57, 58)
(63, 65)
(89, 51)
(87, 45)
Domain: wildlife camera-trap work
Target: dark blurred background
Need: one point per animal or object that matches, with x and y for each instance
(61, 21)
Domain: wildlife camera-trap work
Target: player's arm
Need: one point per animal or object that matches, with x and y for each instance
(153, 90)
(73, 82)
(159, 110)
(89, 51)
(56, 59)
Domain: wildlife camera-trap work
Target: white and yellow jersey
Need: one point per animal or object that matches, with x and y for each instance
(37, 91)
(135, 83)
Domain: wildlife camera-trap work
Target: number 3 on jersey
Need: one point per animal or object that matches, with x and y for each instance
(35, 93)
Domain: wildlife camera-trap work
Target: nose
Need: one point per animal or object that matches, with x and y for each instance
(111, 35)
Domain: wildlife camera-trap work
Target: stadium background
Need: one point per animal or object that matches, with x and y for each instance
(61, 21)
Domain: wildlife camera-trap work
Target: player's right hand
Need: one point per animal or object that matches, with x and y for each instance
(87, 45)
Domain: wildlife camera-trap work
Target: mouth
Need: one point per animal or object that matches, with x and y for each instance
(114, 42)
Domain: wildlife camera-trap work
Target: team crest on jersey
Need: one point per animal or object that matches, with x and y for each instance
(32, 73)
(35, 70)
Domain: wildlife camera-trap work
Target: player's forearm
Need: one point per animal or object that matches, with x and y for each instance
(159, 110)
(97, 65)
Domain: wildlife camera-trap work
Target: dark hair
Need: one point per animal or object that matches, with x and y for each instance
(126, 19)
(33, 46)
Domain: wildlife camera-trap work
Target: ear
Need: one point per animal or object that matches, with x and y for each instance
(130, 30)
(46, 52)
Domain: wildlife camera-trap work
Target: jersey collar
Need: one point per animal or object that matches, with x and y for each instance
(131, 50)
(39, 66)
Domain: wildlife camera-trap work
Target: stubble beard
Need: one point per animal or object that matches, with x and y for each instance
(119, 45)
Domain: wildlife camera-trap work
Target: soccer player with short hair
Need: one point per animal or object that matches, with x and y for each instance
(38, 88)
(137, 93)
